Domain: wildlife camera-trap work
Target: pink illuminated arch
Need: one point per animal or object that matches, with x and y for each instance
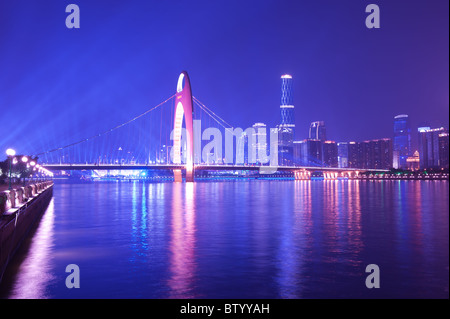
(183, 108)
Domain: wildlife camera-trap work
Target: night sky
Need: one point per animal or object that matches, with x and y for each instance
(58, 85)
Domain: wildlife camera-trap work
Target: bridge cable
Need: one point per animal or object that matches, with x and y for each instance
(213, 115)
(108, 131)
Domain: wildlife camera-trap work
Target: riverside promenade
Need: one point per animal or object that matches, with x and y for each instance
(20, 208)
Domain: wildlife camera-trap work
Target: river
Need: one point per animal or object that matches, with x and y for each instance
(238, 239)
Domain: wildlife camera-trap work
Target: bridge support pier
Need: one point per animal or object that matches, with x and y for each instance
(302, 175)
(189, 176)
(177, 176)
(330, 175)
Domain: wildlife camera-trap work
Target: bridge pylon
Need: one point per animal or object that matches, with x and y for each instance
(183, 109)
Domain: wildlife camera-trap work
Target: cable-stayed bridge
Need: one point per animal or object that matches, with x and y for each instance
(183, 135)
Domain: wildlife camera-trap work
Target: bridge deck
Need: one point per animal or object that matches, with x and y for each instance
(68, 167)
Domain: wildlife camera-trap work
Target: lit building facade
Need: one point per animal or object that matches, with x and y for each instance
(287, 102)
(375, 154)
(413, 161)
(443, 150)
(260, 143)
(317, 131)
(298, 152)
(402, 141)
(285, 145)
(433, 147)
(330, 154)
(353, 155)
(286, 128)
(308, 153)
(242, 149)
(342, 149)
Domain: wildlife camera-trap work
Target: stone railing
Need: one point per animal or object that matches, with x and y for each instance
(16, 197)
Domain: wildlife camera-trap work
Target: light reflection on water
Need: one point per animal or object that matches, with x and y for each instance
(243, 239)
(182, 245)
(35, 271)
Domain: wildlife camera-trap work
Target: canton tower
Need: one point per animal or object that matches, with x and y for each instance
(287, 123)
(287, 102)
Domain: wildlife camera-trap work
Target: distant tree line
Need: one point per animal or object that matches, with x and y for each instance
(19, 169)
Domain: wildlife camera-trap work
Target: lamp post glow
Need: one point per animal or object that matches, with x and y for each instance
(10, 152)
(38, 172)
(25, 160)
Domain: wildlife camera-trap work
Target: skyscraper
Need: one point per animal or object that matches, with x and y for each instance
(287, 122)
(371, 154)
(241, 147)
(443, 150)
(422, 144)
(342, 154)
(402, 141)
(287, 102)
(432, 151)
(298, 152)
(308, 153)
(260, 143)
(353, 149)
(330, 154)
(317, 131)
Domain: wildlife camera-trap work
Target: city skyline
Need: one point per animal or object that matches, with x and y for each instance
(195, 150)
(107, 66)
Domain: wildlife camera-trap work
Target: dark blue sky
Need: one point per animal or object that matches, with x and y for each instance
(58, 85)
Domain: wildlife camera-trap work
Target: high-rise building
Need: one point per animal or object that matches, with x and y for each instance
(287, 102)
(260, 143)
(375, 154)
(317, 131)
(287, 122)
(308, 153)
(330, 154)
(402, 141)
(353, 149)
(285, 145)
(242, 148)
(382, 153)
(443, 150)
(422, 145)
(342, 149)
(298, 152)
(430, 143)
(163, 155)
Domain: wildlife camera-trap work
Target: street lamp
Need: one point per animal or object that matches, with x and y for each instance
(38, 172)
(25, 160)
(10, 152)
(32, 164)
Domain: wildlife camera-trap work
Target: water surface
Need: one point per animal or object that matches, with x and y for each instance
(238, 239)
